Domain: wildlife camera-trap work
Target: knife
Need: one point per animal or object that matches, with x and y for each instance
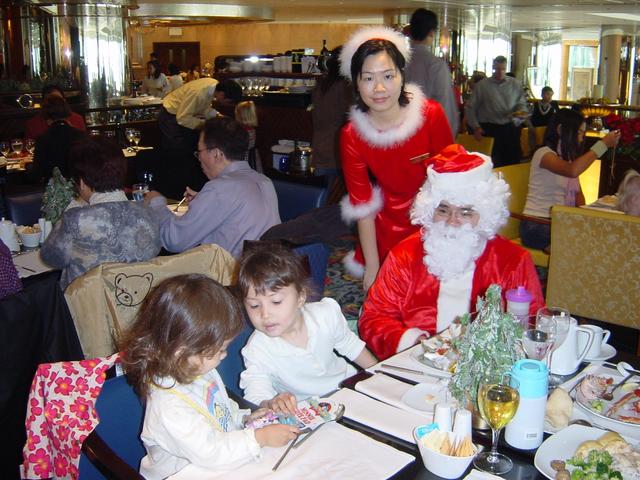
(396, 377)
(405, 370)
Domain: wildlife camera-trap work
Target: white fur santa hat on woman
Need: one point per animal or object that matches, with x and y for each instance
(463, 179)
(369, 33)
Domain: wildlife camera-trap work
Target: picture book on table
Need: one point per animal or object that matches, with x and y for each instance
(311, 413)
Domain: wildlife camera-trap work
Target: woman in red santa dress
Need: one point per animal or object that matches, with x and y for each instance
(393, 130)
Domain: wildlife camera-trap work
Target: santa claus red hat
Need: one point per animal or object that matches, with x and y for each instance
(369, 33)
(463, 178)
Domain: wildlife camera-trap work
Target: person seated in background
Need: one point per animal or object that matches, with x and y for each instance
(9, 280)
(155, 83)
(435, 275)
(53, 147)
(544, 109)
(193, 73)
(236, 204)
(38, 124)
(110, 228)
(247, 116)
(555, 168)
(629, 193)
(174, 78)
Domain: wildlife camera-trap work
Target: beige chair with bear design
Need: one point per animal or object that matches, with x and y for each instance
(104, 301)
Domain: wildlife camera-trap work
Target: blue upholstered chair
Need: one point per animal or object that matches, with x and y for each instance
(24, 208)
(297, 198)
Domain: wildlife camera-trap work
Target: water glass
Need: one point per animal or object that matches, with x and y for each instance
(136, 137)
(30, 145)
(547, 319)
(138, 190)
(538, 340)
(16, 145)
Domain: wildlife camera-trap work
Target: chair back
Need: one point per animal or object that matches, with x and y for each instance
(24, 209)
(105, 300)
(594, 268)
(469, 142)
(294, 198)
(318, 257)
(517, 176)
(233, 365)
(121, 416)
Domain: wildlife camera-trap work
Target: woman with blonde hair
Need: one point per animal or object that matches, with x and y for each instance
(247, 116)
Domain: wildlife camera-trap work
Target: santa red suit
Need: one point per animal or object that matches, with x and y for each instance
(436, 274)
(395, 160)
(405, 294)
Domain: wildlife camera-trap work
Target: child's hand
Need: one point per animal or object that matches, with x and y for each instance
(276, 435)
(260, 412)
(283, 403)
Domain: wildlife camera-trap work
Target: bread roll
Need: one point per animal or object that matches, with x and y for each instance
(559, 409)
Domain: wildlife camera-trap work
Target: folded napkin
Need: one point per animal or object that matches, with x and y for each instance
(478, 475)
(128, 153)
(29, 263)
(334, 451)
(391, 391)
(378, 415)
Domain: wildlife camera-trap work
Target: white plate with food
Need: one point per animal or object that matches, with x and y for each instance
(623, 408)
(424, 396)
(579, 441)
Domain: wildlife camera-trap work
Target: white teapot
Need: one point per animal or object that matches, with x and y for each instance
(8, 235)
(567, 358)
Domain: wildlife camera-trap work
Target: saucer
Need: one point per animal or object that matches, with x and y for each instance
(606, 352)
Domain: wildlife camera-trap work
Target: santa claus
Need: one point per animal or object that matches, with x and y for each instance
(435, 275)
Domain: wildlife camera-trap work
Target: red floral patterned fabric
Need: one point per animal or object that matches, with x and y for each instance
(60, 415)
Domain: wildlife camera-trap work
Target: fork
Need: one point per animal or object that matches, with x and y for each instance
(291, 445)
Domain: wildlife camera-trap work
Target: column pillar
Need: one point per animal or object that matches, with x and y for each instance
(609, 72)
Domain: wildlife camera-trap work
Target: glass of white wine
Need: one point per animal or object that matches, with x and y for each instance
(498, 400)
(129, 133)
(136, 137)
(30, 145)
(16, 145)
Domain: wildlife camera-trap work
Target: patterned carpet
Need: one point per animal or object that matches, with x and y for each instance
(341, 286)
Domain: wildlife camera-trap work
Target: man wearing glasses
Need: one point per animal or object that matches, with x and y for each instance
(435, 275)
(236, 204)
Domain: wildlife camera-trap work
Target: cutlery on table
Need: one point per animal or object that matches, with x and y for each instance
(609, 395)
(293, 442)
(396, 377)
(338, 417)
(403, 369)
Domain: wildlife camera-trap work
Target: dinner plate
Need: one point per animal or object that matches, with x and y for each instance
(563, 445)
(428, 366)
(424, 396)
(606, 352)
(600, 417)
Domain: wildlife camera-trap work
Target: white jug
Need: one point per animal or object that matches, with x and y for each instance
(8, 235)
(566, 359)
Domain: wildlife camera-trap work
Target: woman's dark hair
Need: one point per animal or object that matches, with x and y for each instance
(563, 131)
(333, 70)
(231, 89)
(371, 47)
(55, 108)
(227, 135)
(546, 89)
(50, 88)
(271, 267)
(156, 66)
(184, 316)
(99, 163)
(173, 69)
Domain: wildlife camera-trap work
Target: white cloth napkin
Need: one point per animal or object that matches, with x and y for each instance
(391, 391)
(478, 475)
(334, 451)
(29, 263)
(405, 359)
(378, 415)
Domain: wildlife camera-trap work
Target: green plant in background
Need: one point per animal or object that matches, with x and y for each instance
(57, 195)
(489, 344)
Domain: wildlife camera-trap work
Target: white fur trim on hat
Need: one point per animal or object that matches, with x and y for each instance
(353, 268)
(351, 212)
(457, 181)
(411, 123)
(367, 33)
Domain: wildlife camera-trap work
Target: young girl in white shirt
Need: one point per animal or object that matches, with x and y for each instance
(290, 356)
(170, 355)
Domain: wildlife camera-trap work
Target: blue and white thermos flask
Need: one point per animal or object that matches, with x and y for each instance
(526, 430)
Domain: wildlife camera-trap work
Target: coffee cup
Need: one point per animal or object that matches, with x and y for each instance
(600, 337)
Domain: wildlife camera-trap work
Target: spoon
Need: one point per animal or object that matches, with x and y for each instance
(339, 415)
(609, 395)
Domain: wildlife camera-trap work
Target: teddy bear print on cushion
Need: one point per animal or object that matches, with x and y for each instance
(131, 289)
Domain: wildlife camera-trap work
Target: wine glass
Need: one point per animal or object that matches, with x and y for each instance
(5, 148)
(129, 134)
(30, 145)
(537, 340)
(136, 137)
(16, 145)
(498, 401)
(560, 317)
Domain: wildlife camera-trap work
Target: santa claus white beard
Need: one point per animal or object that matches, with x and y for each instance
(451, 251)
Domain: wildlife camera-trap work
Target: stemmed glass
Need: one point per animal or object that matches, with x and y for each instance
(498, 401)
(5, 148)
(537, 341)
(136, 137)
(30, 145)
(546, 319)
(16, 145)
(129, 133)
